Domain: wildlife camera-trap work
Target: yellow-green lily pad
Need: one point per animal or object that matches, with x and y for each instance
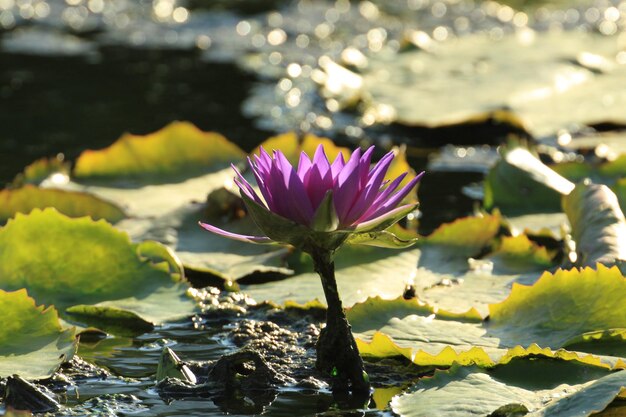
(69, 262)
(72, 204)
(32, 342)
(178, 150)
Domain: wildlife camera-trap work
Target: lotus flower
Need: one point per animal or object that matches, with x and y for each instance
(317, 207)
(320, 203)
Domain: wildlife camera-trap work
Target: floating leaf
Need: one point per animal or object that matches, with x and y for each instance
(549, 312)
(291, 146)
(361, 271)
(598, 224)
(375, 312)
(178, 150)
(538, 78)
(41, 169)
(532, 321)
(447, 258)
(32, 342)
(213, 254)
(520, 254)
(72, 204)
(448, 393)
(521, 183)
(70, 262)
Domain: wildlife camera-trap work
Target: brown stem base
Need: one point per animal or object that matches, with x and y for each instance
(337, 352)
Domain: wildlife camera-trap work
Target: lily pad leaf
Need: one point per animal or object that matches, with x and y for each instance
(531, 79)
(382, 239)
(362, 272)
(447, 394)
(68, 262)
(549, 312)
(72, 204)
(521, 183)
(519, 254)
(179, 150)
(42, 169)
(532, 321)
(32, 342)
(291, 146)
(598, 224)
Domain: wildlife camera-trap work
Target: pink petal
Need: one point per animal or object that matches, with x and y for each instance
(382, 196)
(369, 193)
(392, 202)
(304, 166)
(376, 221)
(337, 166)
(245, 186)
(259, 176)
(298, 203)
(235, 236)
(364, 166)
(347, 187)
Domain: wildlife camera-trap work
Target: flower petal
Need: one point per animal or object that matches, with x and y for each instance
(245, 186)
(298, 203)
(347, 187)
(386, 220)
(260, 180)
(364, 166)
(337, 166)
(243, 238)
(304, 166)
(396, 198)
(369, 193)
(382, 196)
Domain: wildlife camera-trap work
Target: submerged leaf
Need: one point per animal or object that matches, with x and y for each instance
(32, 342)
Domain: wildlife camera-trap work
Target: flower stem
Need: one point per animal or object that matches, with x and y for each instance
(337, 352)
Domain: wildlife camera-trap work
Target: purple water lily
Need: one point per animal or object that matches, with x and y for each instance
(316, 208)
(324, 196)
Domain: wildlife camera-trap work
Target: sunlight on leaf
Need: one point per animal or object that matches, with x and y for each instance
(559, 308)
(179, 149)
(447, 393)
(66, 262)
(72, 204)
(32, 342)
(598, 224)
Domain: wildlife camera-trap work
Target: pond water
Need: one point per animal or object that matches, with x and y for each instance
(76, 74)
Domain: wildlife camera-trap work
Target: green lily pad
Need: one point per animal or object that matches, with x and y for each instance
(543, 81)
(452, 276)
(521, 183)
(448, 393)
(361, 271)
(548, 313)
(532, 321)
(32, 342)
(178, 150)
(72, 204)
(69, 262)
(598, 224)
(42, 169)
(207, 252)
